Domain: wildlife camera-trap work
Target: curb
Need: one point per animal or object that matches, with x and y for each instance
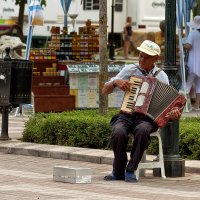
(72, 153)
(57, 152)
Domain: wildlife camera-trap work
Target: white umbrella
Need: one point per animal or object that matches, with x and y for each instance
(183, 12)
(32, 8)
(65, 5)
(179, 19)
(187, 11)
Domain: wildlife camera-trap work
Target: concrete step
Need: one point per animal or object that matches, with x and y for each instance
(51, 90)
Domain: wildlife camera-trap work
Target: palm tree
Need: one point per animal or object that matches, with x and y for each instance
(21, 12)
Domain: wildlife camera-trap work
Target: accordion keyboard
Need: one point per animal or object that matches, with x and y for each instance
(131, 96)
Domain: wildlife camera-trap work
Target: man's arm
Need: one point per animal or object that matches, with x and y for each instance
(121, 84)
(120, 80)
(108, 87)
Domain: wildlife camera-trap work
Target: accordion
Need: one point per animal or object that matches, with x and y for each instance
(153, 98)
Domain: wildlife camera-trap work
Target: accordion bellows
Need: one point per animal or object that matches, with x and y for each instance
(153, 98)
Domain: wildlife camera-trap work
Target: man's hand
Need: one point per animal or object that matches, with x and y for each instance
(174, 114)
(122, 84)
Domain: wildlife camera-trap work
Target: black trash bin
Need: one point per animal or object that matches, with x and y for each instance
(15, 82)
(15, 87)
(21, 82)
(5, 80)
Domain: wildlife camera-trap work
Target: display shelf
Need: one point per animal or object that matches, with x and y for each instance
(41, 66)
(54, 103)
(51, 92)
(39, 54)
(77, 47)
(41, 80)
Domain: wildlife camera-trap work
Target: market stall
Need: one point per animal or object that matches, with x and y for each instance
(65, 72)
(84, 84)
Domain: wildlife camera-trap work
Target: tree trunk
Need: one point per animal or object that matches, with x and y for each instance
(21, 13)
(103, 63)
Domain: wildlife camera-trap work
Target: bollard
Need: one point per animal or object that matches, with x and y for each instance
(4, 126)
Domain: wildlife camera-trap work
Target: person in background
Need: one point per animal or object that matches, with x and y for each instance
(160, 40)
(140, 125)
(160, 36)
(193, 46)
(127, 36)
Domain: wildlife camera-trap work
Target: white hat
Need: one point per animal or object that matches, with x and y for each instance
(150, 48)
(195, 23)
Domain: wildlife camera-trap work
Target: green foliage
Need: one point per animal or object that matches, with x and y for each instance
(17, 2)
(153, 147)
(190, 138)
(87, 128)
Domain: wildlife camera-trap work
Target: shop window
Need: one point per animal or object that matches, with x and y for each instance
(118, 5)
(94, 5)
(91, 5)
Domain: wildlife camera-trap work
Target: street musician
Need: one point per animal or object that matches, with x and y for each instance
(140, 125)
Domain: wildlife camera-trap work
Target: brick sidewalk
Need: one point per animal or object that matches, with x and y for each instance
(16, 126)
(30, 178)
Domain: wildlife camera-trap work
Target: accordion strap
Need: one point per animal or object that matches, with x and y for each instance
(145, 73)
(157, 72)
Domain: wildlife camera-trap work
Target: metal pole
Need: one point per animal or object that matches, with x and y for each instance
(5, 109)
(30, 32)
(174, 164)
(4, 125)
(112, 45)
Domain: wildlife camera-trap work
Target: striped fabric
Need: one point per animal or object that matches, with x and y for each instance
(35, 13)
(65, 5)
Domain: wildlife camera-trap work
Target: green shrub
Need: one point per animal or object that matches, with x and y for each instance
(87, 128)
(190, 138)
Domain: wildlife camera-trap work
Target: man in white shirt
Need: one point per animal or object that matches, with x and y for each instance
(140, 125)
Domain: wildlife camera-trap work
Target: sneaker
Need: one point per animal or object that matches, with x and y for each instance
(130, 177)
(110, 177)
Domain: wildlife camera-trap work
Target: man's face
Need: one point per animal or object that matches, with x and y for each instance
(146, 61)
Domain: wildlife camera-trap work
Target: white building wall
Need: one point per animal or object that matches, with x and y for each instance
(146, 12)
(142, 12)
(8, 9)
(53, 15)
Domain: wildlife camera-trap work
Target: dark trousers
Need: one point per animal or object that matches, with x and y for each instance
(122, 125)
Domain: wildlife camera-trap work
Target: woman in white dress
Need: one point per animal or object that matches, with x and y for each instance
(193, 45)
